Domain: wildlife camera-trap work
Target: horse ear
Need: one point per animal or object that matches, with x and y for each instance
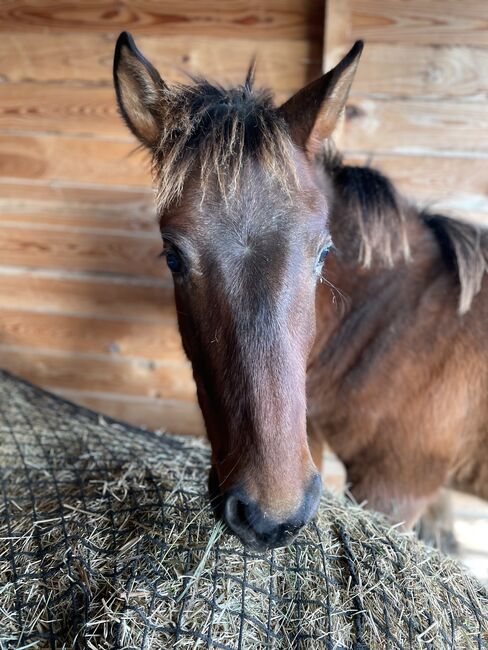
(312, 113)
(138, 87)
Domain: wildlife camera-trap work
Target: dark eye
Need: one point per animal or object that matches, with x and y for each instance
(173, 260)
(323, 254)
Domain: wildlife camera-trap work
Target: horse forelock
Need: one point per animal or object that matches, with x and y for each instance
(212, 131)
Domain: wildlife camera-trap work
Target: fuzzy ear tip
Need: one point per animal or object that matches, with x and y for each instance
(356, 49)
(124, 40)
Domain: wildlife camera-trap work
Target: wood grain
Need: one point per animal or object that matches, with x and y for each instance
(85, 295)
(411, 125)
(283, 65)
(91, 373)
(33, 246)
(61, 108)
(85, 207)
(436, 22)
(337, 32)
(419, 72)
(167, 415)
(265, 19)
(104, 337)
(69, 220)
(82, 199)
(74, 160)
(81, 209)
(86, 307)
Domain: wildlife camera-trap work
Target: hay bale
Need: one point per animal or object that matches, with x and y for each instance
(108, 542)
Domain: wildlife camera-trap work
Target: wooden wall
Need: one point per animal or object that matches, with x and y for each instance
(85, 305)
(419, 105)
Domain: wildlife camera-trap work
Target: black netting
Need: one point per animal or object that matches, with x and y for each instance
(108, 542)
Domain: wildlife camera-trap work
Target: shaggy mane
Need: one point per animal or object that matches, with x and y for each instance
(216, 129)
(464, 247)
(376, 217)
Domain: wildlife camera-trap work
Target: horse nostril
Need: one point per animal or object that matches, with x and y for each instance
(235, 513)
(258, 530)
(255, 529)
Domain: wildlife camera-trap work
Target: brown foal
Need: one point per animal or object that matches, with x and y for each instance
(385, 355)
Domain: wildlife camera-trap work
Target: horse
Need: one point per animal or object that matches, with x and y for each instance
(315, 304)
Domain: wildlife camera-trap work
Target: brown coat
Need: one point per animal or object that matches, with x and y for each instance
(398, 375)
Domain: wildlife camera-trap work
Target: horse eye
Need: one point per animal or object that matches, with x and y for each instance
(173, 260)
(323, 254)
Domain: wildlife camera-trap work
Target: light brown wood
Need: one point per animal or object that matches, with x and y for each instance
(74, 160)
(85, 295)
(80, 371)
(265, 19)
(61, 108)
(167, 415)
(420, 72)
(446, 22)
(74, 206)
(58, 198)
(86, 307)
(71, 220)
(337, 31)
(105, 337)
(283, 65)
(416, 126)
(417, 109)
(33, 246)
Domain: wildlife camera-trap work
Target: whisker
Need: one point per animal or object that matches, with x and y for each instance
(345, 300)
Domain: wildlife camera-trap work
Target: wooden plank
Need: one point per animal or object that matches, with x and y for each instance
(263, 19)
(446, 183)
(168, 415)
(116, 339)
(85, 296)
(83, 207)
(83, 372)
(83, 200)
(75, 160)
(123, 224)
(396, 71)
(283, 65)
(135, 209)
(29, 205)
(81, 250)
(61, 108)
(437, 22)
(403, 126)
(337, 31)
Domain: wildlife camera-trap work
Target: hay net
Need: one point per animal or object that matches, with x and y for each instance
(108, 542)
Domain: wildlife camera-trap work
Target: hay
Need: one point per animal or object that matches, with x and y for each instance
(108, 542)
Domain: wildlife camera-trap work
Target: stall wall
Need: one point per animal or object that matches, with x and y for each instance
(86, 306)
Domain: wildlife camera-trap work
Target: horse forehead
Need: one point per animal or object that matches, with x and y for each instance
(246, 243)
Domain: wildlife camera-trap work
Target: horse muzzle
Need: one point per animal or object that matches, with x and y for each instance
(255, 527)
